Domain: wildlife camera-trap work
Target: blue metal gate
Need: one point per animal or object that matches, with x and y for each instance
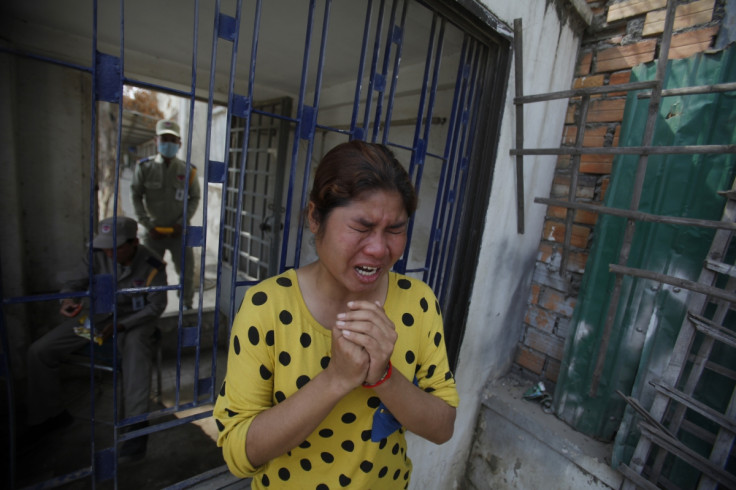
(427, 80)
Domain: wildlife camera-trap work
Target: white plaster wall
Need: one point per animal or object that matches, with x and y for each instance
(505, 267)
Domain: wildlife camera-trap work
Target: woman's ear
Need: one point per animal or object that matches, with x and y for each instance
(313, 223)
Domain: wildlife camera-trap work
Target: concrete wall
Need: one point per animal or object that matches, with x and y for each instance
(44, 188)
(507, 258)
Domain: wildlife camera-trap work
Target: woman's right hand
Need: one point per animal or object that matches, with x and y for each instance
(349, 361)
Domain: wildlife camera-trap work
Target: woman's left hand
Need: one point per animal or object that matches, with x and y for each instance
(367, 325)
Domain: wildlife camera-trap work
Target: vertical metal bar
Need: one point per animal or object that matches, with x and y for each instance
(384, 71)
(636, 195)
(519, 87)
(361, 67)
(572, 193)
(437, 55)
(465, 145)
(185, 217)
(392, 38)
(90, 252)
(6, 371)
(374, 62)
(415, 166)
(295, 147)
(431, 273)
(246, 138)
(205, 214)
(310, 142)
(456, 164)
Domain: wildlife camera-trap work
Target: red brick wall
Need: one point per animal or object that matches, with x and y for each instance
(624, 34)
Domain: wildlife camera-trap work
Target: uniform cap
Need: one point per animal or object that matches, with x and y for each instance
(127, 228)
(164, 126)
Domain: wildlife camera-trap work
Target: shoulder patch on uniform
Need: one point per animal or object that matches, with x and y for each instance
(155, 263)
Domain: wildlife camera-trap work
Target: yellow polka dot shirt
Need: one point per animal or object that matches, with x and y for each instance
(276, 347)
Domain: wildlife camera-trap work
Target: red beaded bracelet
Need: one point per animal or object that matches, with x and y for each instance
(383, 379)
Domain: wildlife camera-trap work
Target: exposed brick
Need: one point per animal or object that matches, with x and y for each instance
(585, 217)
(619, 77)
(585, 190)
(687, 15)
(540, 319)
(570, 116)
(547, 344)
(580, 216)
(563, 162)
(631, 8)
(563, 328)
(528, 359)
(690, 43)
(557, 212)
(606, 110)
(554, 231)
(595, 136)
(548, 276)
(588, 81)
(557, 302)
(583, 66)
(596, 164)
(552, 370)
(603, 188)
(576, 261)
(620, 57)
(534, 294)
(546, 251)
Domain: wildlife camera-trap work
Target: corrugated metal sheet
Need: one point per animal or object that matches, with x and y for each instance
(649, 314)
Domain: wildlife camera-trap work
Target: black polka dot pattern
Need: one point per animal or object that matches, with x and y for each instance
(253, 336)
(260, 298)
(285, 317)
(288, 352)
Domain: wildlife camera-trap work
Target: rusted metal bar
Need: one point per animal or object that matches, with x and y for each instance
(628, 150)
(700, 89)
(639, 215)
(636, 478)
(519, 87)
(712, 330)
(686, 454)
(696, 406)
(580, 92)
(697, 287)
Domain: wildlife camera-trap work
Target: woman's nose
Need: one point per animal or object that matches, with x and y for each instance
(376, 244)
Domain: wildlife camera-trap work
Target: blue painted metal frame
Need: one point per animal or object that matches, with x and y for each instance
(108, 80)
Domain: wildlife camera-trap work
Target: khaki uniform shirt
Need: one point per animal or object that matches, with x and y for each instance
(157, 192)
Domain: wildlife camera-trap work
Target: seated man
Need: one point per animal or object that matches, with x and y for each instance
(137, 313)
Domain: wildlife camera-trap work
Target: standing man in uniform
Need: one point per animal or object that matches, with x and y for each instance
(137, 315)
(158, 194)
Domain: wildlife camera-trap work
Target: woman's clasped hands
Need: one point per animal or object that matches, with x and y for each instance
(362, 343)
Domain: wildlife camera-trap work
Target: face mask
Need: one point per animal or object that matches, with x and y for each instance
(168, 149)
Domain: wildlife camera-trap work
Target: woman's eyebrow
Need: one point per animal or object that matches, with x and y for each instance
(368, 223)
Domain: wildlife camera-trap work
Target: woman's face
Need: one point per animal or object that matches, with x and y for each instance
(360, 242)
